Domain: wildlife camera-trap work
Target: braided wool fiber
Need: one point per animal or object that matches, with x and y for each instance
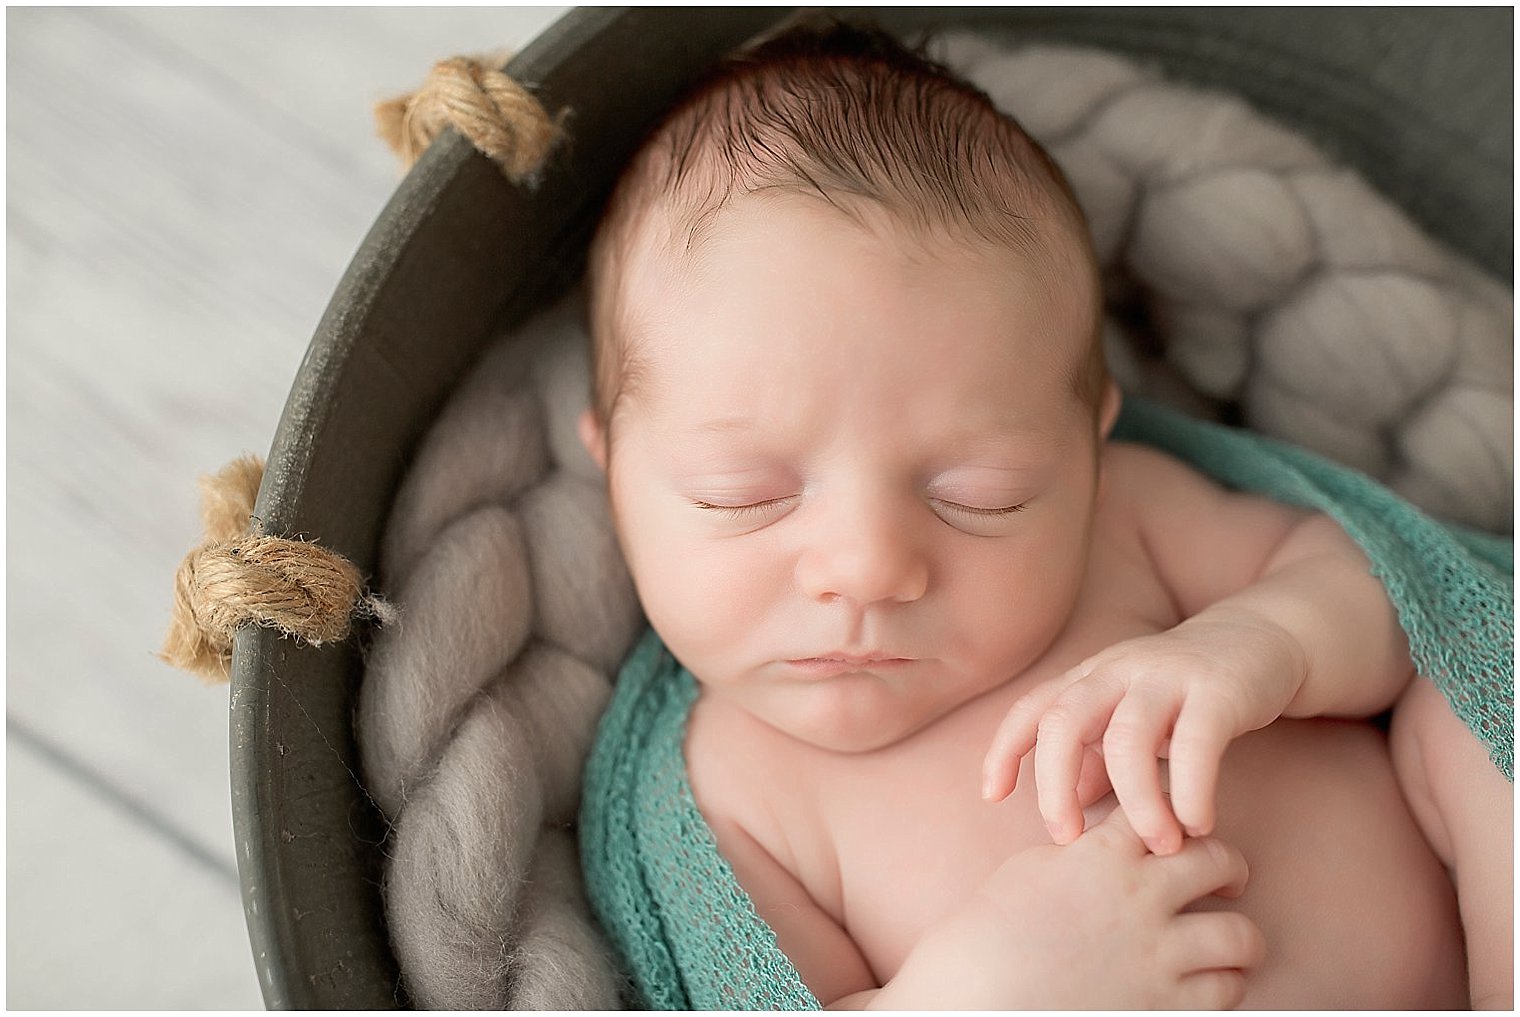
(466, 444)
(478, 707)
(1274, 280)
(554, 937)
(1278, 280)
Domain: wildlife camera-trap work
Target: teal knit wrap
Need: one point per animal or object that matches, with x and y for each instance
(687, 932)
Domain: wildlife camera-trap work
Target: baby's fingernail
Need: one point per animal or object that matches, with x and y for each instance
(989, 786)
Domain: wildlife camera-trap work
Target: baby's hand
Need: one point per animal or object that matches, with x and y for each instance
(1098, 924)
(1180, 695)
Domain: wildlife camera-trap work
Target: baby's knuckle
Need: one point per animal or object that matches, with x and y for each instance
(1217, 851)
(1214, 701)
(1124, 737)
(1243, 938)
(1227, 990)
(1056, 721)
(1027, 709)
(1221, 856)
(1194, 743)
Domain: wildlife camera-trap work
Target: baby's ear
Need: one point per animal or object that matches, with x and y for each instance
(1108, 410)
(593, 436)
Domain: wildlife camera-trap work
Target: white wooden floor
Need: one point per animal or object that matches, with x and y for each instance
(184, 189)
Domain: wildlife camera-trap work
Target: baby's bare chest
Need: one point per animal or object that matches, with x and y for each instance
(1343, 885)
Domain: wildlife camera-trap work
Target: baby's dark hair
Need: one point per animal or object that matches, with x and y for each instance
(853, 116)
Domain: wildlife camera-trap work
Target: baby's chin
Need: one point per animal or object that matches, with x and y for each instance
(851, 715)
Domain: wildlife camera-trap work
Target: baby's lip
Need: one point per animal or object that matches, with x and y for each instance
(833, 665)
(852, 659)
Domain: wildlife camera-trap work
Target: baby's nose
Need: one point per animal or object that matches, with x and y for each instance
(870, 562)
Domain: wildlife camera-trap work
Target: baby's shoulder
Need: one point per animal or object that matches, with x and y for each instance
(1136, 479)
(1128, 466)
(1142, 481)
(1149, 483)
(724, 746)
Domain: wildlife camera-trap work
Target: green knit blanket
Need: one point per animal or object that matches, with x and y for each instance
(688, 934)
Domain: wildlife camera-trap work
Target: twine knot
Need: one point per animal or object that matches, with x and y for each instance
(499, 117)
(239, 576)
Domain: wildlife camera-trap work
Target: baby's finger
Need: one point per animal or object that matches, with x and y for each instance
(1220, 989)
(1130, 747)
(1108, 824)
(1076, 719)
(1203, 867)
(1202, 732)
(1213, 939)
(1093, 782)
(1014, 740)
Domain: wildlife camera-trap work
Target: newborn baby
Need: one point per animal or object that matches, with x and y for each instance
(853, 411)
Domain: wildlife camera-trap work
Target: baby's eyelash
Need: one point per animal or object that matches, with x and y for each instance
(739, 511)
(1007, 510)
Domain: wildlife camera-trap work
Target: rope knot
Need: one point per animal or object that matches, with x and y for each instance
(239, 576)
(500, 117)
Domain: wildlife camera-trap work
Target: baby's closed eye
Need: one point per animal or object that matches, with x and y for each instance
(744, 509)
(985, 518)
(978, 510)
(986, 492)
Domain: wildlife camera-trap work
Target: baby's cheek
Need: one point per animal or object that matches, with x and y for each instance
(704, 600)
(1011, 604)
(732, 592)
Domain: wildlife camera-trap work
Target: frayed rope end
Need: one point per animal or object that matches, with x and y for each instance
(238, 576)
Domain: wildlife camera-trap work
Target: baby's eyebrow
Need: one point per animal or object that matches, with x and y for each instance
(1004, 436)
(1024, 441)
(720, 438)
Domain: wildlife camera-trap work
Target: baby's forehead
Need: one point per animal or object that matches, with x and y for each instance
(772, 265)
(676, 247)
(673, 229)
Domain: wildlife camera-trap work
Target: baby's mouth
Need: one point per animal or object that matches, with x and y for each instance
(833, 664)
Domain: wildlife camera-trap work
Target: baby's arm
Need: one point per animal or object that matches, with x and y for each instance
(1282, 617)
(1226, 554)
(1098, 924)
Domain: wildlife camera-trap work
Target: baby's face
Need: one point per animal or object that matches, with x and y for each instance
(854, 485)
